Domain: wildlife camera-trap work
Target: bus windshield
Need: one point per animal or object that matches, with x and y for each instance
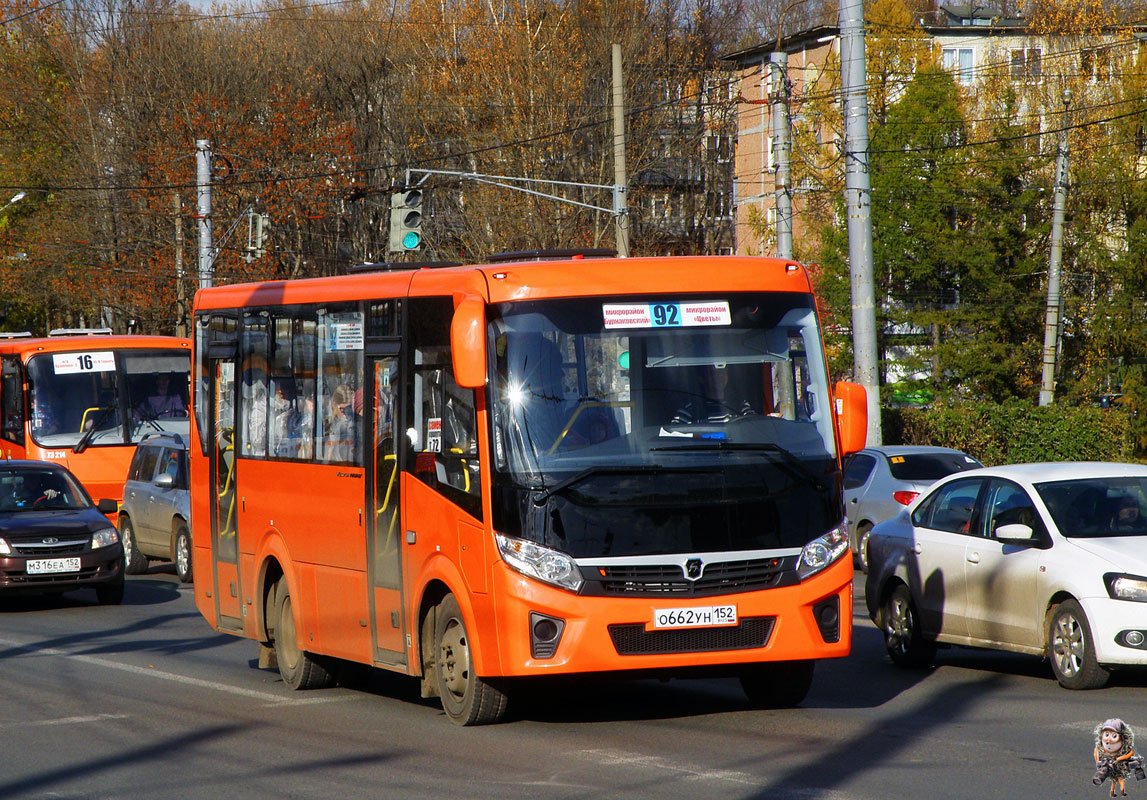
(88, 396)
(662, 425)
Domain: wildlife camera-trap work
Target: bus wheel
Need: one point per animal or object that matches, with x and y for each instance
(779, 684)
(300, 669)
(135, 562)
(183, 554)
(466, 698)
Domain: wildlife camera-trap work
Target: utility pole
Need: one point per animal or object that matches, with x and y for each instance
(203, 205)
(1054, 299)
(858, 194)
(782, 158)
(620, 200)
(779, 97)
(180, 289)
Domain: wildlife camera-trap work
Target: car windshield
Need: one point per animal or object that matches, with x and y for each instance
(1097, 507)
(87, 396)
(39, 490)
(929, 466)
(717, 408)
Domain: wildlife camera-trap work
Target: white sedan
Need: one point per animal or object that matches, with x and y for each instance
(1047, 559)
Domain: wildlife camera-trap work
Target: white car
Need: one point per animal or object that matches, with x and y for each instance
(1047, 559)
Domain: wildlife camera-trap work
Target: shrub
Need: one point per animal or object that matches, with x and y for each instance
(1016, 431)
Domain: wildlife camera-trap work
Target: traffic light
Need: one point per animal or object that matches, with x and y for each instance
(406, 221)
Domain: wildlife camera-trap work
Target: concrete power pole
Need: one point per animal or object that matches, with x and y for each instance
(858, 193)
(180, 289)
(620, 190)
(203, 204)
(782, 152)
(1054, 298)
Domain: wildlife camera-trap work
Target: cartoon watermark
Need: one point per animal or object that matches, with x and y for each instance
(1115, 757)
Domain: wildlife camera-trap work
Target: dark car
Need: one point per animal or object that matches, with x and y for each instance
(52, 537)
(154, 519)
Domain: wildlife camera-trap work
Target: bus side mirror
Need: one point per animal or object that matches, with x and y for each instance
(851, 416)
(468, 343)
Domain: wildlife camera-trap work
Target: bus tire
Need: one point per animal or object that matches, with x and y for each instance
(299, 669)
(780, 684)
(134, 561)
(183, 554)
(466, 698)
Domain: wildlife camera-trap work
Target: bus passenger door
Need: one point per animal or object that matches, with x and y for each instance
(224, 532)
(385, 529)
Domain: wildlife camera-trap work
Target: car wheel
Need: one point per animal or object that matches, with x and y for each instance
(300, 669)
(110, 594)
(781, 684)
(183, 554)
(862, 532)
(1072, 650)
(135, 562)
(466, 698)
(903, 638)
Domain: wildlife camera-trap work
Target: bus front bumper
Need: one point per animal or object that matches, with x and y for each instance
(546, 630)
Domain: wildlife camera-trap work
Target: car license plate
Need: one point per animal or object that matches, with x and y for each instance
(695, 617)
(47, 566)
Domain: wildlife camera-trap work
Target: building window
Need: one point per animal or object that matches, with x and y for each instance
(1095, 65)
(959, 60)
(1027, 64)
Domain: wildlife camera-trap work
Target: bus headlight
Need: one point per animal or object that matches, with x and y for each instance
(823, 551)
(104, 538)
(548, 566)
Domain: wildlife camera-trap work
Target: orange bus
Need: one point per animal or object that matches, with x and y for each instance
(475, 474)
(83, 398)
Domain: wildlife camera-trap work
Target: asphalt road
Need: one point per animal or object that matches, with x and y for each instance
(144, 701)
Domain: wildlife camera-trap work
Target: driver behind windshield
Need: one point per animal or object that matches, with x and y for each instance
(710, 400)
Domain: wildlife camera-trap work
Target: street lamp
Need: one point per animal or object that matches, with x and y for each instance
(16, 198)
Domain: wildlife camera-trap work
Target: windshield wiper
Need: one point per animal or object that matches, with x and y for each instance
(86, 439)
(797, 466)
(644, 469)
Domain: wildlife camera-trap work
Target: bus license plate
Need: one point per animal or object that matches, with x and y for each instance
(695, 617)
(46, 566)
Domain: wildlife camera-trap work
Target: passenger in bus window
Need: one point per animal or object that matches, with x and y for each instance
(341, 425)
(288, 419)
(165, 402)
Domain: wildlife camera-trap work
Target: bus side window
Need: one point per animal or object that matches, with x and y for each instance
(442, 446)
(11, 400)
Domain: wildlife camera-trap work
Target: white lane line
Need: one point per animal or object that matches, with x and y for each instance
(32, 649)
(621, 758)
(64, 721)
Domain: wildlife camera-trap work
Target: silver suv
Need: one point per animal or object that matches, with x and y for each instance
(154, 521)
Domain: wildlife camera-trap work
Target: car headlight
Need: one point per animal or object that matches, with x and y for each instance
(104, 538)
(823, 551)
(1126, 587)
(536, 561)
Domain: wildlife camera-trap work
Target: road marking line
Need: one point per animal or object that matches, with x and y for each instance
(273, 699)
(64, 721)
(621, 758)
